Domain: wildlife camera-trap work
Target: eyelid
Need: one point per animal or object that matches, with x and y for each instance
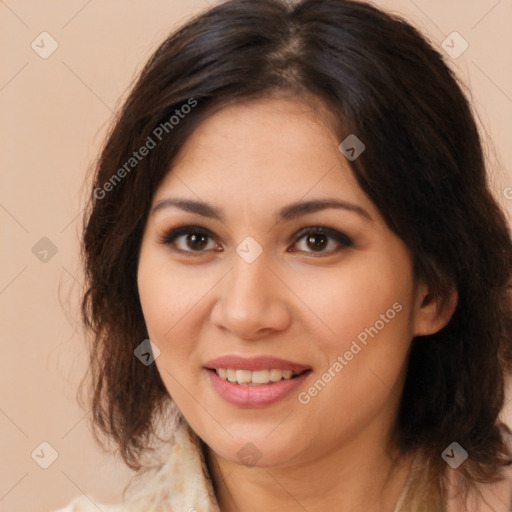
(173, 233)
(325, 230)
(340, 237)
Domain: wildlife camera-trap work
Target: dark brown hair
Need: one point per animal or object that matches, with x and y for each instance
(423, 168)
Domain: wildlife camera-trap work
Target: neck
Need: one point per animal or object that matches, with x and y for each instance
(355, 477)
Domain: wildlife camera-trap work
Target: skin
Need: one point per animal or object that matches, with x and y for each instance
(295, 301)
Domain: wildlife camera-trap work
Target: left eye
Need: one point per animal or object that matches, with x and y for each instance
(322, 240)
(190, 239)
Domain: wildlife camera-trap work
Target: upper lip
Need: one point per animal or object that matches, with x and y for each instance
(255, 363)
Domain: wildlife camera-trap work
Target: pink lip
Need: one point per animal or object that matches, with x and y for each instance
(254, 363)
(254, 396)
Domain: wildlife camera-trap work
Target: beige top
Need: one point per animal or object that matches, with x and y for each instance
(182, 484)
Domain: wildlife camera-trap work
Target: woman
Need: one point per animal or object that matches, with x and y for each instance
(293, 207)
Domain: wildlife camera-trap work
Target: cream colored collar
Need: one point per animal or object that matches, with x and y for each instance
(182, 484)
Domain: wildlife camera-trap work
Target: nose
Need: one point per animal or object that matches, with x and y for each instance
(252, 301)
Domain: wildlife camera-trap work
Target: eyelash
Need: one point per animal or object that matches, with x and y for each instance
(343, 240)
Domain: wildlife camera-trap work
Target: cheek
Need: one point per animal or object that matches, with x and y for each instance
(167, 292)
(362, 294)
(167, 295)
(170, 300)
(368, 314)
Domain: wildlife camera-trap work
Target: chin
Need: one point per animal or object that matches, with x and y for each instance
(257, 451)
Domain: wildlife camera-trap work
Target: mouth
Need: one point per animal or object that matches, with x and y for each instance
(256, 381)
(256, 377)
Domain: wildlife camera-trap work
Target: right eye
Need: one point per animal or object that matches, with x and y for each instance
(190, 239)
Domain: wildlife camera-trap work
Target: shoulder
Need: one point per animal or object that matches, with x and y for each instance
(85, 504)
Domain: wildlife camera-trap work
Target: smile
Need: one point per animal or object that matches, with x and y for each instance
(254, 378)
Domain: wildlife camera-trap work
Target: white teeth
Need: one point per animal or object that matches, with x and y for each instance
(243, 376)
(276, 375)
(261, 376)
(253, 377)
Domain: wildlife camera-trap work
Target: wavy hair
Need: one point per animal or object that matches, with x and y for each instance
(423, 168)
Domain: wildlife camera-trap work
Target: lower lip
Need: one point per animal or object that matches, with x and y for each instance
(255, 396)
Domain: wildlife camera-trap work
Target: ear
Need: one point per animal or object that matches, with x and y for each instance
(432, 312)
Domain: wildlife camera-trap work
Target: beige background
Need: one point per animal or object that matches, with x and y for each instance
(54, 113)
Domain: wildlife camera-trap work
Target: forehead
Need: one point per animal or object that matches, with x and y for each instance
(262, 151)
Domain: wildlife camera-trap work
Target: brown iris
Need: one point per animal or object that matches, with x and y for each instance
(197, 241)
(317, 241)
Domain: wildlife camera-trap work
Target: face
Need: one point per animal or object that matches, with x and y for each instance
(264, 263)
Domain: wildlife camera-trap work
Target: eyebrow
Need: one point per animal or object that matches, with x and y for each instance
(286, 213)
